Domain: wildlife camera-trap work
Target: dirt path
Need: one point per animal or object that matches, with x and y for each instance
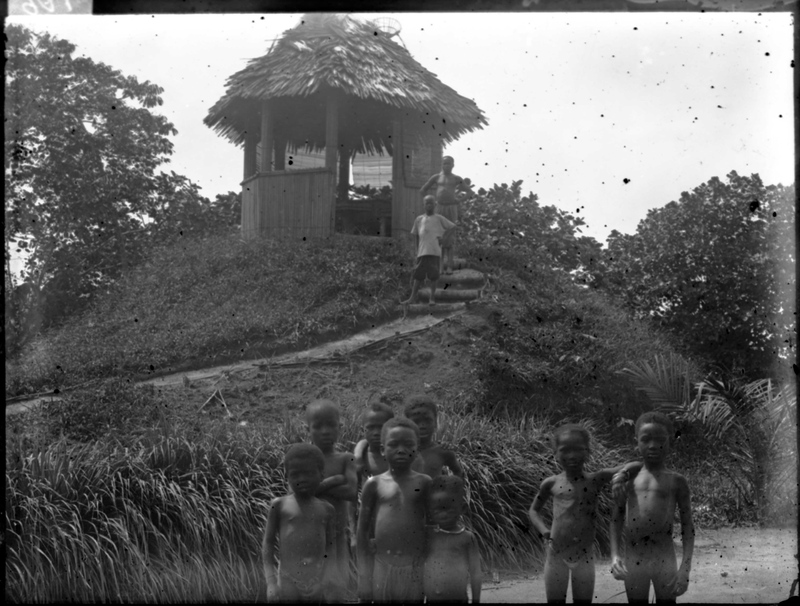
(731, 566)
(242, 370)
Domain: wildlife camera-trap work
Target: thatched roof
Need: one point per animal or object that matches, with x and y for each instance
(377, 78)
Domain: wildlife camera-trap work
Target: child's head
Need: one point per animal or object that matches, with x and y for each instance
(304, 465)
(654, 432)
(375, 417)
(448, 163)
(399, 441)
(571, 443)
(322, 419)
(430, 204)
(446, 501)
(422, 410)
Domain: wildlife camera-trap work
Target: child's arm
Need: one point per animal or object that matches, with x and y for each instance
(474, 569)
(330, 482)
(366, 562)
(617, 520)
(449, 459)
(345, 487)
(268, 551)
(683, 499)
(620, 479)
(429, 184)
(545, 492)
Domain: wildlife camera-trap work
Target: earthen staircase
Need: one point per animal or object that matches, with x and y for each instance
(453, 291)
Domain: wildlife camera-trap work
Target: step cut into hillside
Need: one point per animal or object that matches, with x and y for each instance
(454, 291)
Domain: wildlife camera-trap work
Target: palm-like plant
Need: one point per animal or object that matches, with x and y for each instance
(753, 420)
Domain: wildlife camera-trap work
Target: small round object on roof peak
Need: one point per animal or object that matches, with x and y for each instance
(388, 26)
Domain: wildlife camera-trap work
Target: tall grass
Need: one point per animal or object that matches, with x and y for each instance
(167, 521)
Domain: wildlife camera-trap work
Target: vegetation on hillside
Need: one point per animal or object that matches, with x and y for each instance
(85, 199)
(208, 300)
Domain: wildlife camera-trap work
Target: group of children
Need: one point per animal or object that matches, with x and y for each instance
(404, 515)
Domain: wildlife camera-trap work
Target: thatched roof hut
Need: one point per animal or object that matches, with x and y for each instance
(345, 86)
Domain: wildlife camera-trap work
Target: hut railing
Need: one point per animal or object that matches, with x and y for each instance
(297, 203)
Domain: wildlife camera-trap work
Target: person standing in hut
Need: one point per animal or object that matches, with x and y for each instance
(429, 231)
(447, 184)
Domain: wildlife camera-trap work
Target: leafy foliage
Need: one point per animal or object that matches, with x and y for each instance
(553, 345)
(716, 269)
(501, 217)
(83, 197)
(748, 424)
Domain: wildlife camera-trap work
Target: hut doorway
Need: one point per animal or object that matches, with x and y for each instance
(364, 206)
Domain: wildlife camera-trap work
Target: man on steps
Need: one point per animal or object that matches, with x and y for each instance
(429, 230)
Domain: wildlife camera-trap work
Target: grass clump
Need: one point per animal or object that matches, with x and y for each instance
(166, 519)
(215, 299)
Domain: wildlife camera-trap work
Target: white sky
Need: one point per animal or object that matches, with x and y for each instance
(576, 102)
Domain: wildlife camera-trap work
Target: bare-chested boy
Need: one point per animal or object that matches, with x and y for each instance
(367, 454)
(422, 410)
(339, 484)
(447, 200)
(304, 527)
(393, 510)
(647, 515)
(452, 562)
(570, 539)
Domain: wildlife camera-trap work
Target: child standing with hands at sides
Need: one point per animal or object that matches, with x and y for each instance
(647, 514)
(446, 205)
(422, 410)
(304, 526)
(338, 486)
(570, 539)
(453, 561)
(393, 510)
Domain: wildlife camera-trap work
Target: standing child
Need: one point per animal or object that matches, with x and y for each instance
(453, 561)
(422, 410)
(647, 515)
(393, 508)
(304, 527)
(429, 230)
(339, 484)
(369, 460)
(367, 454)
(447, 201)
(570, 539)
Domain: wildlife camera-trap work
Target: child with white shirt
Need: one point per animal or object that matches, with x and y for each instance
(429, 230)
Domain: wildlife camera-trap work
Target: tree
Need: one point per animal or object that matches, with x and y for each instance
(82, 194)
(716, 269)
(502, 217)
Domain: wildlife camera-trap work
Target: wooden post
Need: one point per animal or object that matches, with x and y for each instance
(250, 143)
(397, 178)
(343, 184)
(331, 131)
(267, 140)
(280, 152)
